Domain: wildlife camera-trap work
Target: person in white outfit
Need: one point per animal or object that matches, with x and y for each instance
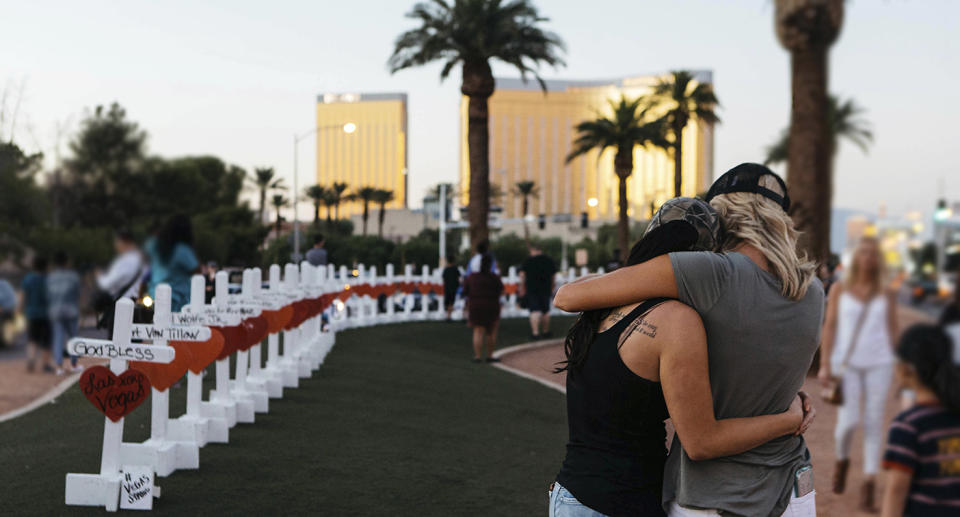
(857, 348)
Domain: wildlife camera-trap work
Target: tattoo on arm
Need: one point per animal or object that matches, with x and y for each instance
(640, 325)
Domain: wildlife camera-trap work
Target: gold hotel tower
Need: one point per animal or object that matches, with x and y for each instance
(374, 155)
(532, 133)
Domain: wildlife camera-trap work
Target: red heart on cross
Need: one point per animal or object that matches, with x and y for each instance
(259, 329)
(162, 376)
(233, 338)
(203, 353)
(114, 395)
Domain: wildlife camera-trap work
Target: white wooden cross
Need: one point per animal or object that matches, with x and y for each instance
(103, 489)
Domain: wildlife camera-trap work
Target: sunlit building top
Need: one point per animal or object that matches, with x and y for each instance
(531, 134)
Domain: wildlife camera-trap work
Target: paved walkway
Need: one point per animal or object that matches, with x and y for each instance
(19, 388)
(539, 362)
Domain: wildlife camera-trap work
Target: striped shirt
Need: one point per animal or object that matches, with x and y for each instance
(925, 441)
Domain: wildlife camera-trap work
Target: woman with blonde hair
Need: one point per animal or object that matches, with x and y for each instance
(762, 310)
(857, 361)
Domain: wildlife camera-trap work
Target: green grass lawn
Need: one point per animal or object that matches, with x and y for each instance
(398, 421)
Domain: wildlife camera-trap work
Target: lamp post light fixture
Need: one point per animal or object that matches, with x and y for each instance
(593, 202)
(347, 128)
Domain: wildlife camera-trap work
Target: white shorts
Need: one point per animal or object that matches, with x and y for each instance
(805, 506)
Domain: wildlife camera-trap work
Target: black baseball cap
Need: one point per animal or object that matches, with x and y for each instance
(746, 178)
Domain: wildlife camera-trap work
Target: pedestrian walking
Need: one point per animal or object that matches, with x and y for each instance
(63, 295)
(35, 308)
(483, 290)
(451, 284)
(856, 362)
(537, 282)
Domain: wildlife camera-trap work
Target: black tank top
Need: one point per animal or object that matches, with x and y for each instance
(616, 452)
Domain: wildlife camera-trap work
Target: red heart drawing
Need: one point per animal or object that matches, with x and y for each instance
(233, 338)
(203, 353)
(162, 376)
(114, 395)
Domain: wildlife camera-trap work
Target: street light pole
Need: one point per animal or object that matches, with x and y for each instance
(347, 128)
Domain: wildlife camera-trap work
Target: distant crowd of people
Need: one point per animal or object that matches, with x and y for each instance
(51, 298)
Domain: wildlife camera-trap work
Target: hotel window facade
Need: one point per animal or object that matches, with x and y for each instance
(374, 155)
(532, 133)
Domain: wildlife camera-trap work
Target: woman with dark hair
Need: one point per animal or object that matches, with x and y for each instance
(172, 259)
(482, 290)
(922, 460)
(626, 367)
(762, 309)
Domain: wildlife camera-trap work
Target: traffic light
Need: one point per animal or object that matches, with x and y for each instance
(584, 220)
(542, 221)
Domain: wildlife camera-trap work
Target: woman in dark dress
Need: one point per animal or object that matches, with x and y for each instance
(626, 366)
(483, 290)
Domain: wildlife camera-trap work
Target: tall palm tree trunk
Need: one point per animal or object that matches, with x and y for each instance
(623, 166)
(678, 160)
(263, 204)
(526, 208)
(382, 217)
(277, 227)
(316, 214)
(366, 215)
(809, 152)
(478, 85)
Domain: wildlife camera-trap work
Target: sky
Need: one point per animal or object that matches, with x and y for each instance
(238, 78)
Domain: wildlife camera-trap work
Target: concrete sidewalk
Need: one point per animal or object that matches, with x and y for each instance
(19, 388)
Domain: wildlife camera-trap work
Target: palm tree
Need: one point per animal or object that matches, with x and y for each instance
(526, 189)
(623, 132)
(338, 189)
(471, 33)
(684, 98)
(330, 200)
(279, 202)
(807, 29)
(316, 195)
(365, 195)
(382, 197)
(265, 179)
(845, 120)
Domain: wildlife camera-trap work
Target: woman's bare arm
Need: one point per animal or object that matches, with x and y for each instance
(685, 379)
(896, 492)
(624, 286)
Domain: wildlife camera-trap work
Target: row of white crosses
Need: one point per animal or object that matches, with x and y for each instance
(175, 443)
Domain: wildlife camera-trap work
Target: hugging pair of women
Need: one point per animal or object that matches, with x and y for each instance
(713, 322)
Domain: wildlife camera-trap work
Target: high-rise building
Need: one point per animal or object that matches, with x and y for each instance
(374, 154)
(531, 134)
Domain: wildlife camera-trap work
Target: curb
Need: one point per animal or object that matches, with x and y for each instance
(55, 392)
(520, 373)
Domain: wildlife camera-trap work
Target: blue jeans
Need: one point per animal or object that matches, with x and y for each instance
(563, 504)
(62, 330)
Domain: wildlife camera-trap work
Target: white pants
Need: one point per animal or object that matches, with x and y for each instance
(869, 386)
(805, 506)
